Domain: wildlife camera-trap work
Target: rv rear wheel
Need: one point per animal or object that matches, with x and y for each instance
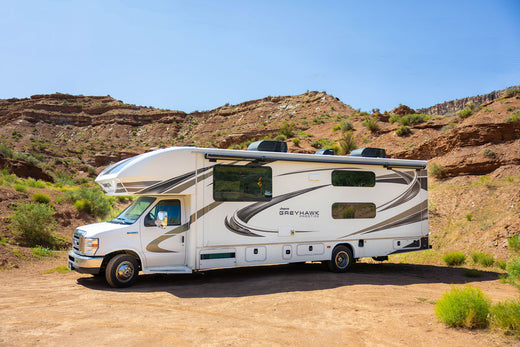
(122, 271)
(341, 259)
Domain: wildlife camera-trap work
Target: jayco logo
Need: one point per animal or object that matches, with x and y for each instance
(285, 211)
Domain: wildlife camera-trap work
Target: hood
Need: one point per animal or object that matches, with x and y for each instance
(91, 230)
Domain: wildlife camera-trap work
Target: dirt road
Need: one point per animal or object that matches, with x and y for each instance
(372, 305)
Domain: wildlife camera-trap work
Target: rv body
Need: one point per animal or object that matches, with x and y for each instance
(203, 208)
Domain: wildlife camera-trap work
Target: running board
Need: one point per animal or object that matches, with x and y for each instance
(169, 270)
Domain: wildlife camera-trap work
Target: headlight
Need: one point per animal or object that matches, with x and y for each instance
(89, 246)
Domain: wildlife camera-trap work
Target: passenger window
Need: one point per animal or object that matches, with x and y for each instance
(353, 210)
(341, 178)
(171, 207)
(242, 183)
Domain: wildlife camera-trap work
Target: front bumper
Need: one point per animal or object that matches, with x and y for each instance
(84, 264)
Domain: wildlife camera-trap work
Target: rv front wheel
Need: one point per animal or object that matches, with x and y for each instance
(341, 259)
(122, 271)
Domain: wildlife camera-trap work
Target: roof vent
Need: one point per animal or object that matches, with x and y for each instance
(325, 151)
(268, 146)
(368, 152)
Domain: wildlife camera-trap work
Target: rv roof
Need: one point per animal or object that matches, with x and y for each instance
(227, 154)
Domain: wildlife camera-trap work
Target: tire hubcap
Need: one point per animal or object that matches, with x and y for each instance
(125, 271)
(341, 259)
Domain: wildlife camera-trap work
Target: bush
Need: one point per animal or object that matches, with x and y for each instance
(454, 258)
(346, 143)
(371, 123)
(41, 198)
(481, 258)
(403, 130)
(42, 252)
(513, 271)
(514, 244)
(35, 225)
(287, 129)
(92, 201)
(296, 141)
(336, 128)
(506, 316)
(438, 171)
(346, 126)
(463, 307)
(488, 153)
(20, 188)
(464, 113)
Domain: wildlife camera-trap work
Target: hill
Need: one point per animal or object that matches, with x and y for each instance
(473, 150)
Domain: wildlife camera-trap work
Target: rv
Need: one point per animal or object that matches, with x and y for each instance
(207, 208)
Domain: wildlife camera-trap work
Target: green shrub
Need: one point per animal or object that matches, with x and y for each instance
(346, 143)
(296, 141)
(506, 316)
(403, 130)
(346, 126)
(93, 201)
(463, 307)
(394, 118)
(481, 258)
(464, 113)
(438, 171)
(454, 258)
(371, 123)
(287, 129)
(42, 252)
(514, 118)
(488, 153)
(501, 264)
(336, 127)
(41, 198)
(20, 188)
(34, 224)
(35, 184)
(513, 271)
(83, 205)
(514, 244)
(469, 217)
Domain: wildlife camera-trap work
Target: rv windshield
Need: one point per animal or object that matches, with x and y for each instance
(134, 211)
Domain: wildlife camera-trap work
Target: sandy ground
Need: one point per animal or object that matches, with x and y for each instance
(372, 305)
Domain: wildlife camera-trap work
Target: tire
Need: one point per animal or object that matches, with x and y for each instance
(122, 271)
(341, 260)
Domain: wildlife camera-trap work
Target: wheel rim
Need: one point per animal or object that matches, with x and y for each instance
(125, 271)
(342, 259)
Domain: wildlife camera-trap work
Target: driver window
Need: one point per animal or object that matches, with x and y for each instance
(171, 207)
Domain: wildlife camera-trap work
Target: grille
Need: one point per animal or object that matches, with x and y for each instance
(75, 242)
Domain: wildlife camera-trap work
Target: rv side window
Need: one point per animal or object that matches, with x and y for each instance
(171, 207)
(242, 183)
(353, 210)
(353, 178)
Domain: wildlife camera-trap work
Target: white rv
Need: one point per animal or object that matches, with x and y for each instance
(206, 208)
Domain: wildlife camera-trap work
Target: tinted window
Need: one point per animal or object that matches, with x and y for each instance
(171, 207)
(353, 210)
(353, 178)
(242, 183)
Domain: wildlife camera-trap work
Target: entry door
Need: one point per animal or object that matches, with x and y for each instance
(163, 234)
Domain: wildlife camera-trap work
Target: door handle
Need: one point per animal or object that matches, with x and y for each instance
(182, 239)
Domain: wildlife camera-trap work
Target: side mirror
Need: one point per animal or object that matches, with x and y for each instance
(162, 219)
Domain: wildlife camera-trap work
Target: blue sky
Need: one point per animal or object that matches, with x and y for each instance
(198, 55)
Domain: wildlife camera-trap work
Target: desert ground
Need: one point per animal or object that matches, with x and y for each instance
(374, 304)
